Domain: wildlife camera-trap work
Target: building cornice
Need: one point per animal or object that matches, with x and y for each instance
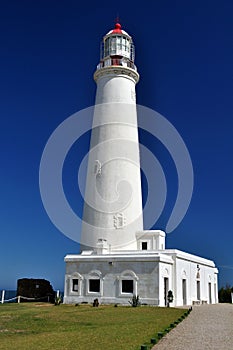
(117, 71)
(155, 257)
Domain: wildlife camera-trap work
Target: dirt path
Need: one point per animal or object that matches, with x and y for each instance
(207, 327)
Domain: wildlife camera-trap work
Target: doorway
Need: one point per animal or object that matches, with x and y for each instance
(165, 290)
(184, 291)
(210, 296)
(198, 290)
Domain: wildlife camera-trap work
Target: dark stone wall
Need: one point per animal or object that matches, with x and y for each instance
(35, 288)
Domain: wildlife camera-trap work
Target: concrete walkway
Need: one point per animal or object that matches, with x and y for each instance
(207, 327)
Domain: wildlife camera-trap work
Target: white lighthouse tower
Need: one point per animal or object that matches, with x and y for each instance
(113, 201)
(120, 259)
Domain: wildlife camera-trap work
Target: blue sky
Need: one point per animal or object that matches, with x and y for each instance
(49, 52)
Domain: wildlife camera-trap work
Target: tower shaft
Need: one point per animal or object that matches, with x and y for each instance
(113, 200)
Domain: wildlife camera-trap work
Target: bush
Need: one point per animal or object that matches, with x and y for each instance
(224, 294)
(57, 300)
(96, 302)
(135, 301)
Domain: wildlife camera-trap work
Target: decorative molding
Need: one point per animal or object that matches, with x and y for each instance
(128, 273)
(70, 279)
(184, 274)
(76, 275)
(117, 70)
(95, 273)
(97, 167)
(165, 272)
(119, 220)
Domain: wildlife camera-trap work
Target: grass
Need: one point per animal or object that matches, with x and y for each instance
(45, 326)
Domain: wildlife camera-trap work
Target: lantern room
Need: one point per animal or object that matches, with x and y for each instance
(117, 49)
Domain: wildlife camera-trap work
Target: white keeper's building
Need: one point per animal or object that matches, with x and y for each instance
(119, 259)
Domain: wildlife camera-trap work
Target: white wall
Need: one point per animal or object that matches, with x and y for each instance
(193, 272)
(113, 194)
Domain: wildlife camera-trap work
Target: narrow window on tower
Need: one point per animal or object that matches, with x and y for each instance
(75, 285)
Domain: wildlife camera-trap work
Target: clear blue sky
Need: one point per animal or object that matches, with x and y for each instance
(49, 51)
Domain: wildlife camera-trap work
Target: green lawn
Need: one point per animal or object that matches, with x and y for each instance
(45, 326)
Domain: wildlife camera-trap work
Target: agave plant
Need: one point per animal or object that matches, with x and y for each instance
(135, 301)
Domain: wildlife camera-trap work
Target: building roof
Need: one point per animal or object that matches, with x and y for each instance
(117, 30)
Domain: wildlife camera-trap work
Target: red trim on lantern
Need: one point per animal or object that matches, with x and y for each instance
(117, 29)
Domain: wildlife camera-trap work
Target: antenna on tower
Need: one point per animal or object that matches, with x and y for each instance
(117, 19)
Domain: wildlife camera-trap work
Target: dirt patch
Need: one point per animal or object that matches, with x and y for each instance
(12, 331)
(4, 330)
(43, 305)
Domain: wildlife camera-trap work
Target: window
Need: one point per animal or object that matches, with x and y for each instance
(128, 281)
(113, 45)
(119, 43)
(127, 286)
(106, 47)
(94, 285)
(144, 245)
(75, 285)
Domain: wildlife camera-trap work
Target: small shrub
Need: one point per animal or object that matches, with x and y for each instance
(169, 297)
(135, 301)
(96, 302)
(57, 300)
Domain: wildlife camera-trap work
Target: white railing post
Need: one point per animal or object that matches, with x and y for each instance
(3, 296)
(18, 299)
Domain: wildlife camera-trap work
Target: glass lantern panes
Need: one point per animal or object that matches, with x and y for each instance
(117, 45)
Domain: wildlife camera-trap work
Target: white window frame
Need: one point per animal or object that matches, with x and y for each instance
(94, 274)
(128, 275)
(75, 276)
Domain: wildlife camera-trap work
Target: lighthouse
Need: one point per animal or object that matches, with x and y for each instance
(119, 259)
(113, 201)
